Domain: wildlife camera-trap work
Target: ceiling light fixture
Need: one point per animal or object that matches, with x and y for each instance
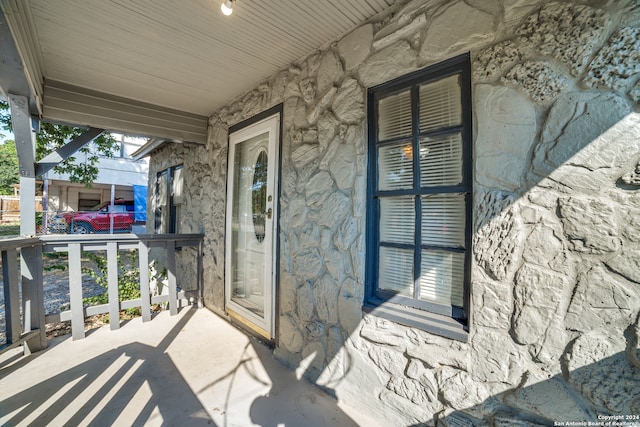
(227, 7)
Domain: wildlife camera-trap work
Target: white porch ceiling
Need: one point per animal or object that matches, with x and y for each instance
(183, 55)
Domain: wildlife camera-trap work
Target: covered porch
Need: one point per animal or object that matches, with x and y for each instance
(190, 369)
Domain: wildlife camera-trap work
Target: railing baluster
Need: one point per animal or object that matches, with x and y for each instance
(112, 277)
(11, 296)
(75, 291)
(33, 296)
(145, 297)
(171, 275)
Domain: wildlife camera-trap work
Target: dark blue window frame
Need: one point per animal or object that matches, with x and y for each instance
(405, 309)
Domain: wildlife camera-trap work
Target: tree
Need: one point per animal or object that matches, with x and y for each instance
(8, 167)
(83, 166)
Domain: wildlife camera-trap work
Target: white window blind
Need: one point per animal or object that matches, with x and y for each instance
(440, 104)
(442, 277)
(397, 220)
(443, 220)
(441, 160)
(394, 116)
(395, 166)
(396, 271)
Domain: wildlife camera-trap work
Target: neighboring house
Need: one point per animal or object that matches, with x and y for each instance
(121, 172)
(436, 216)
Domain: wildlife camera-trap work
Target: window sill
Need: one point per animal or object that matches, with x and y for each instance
(428, 322)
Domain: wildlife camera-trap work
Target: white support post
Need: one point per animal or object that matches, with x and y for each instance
(11, 295)
(30, 258)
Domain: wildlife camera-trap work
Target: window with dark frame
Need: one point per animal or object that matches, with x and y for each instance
(169, 197)
(420, 193)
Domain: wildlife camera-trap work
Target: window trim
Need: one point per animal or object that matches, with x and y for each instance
(428, 316)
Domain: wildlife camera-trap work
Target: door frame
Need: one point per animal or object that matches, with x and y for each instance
(246, 323)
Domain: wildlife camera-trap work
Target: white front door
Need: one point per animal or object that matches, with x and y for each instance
(251, 224)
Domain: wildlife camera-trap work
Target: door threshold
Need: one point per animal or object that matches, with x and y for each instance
(250, 328)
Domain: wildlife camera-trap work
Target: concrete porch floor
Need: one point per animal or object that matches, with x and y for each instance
(187, 370)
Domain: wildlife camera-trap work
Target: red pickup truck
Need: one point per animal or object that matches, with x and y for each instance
(97, 219)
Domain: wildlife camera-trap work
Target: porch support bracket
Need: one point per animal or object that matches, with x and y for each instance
(66, 151)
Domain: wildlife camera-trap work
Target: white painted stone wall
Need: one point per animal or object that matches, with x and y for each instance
(556, 252)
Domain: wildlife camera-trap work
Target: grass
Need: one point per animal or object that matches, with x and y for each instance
(9, 230)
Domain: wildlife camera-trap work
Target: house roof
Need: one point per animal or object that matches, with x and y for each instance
(165, 62)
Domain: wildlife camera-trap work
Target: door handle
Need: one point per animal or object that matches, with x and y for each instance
(269, 213)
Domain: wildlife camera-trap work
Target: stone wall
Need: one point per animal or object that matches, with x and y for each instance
(556, 251)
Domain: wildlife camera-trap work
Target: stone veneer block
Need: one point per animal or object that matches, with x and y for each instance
(471, 27)
(493, 61)
(575, 122)
(504, 140)
(387, 64)
(330, 71)
(618, 62)
(567, 32)
(537, 295)
(601, 299)
(590, 224)
(542, 81)
(355, 47)
(402, 33)
(598, 368)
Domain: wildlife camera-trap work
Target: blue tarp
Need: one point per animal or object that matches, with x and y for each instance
(140, 202)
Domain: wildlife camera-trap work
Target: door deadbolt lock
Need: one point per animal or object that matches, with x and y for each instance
(269, 213)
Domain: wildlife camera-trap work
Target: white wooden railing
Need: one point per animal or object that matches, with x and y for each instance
(74, 245)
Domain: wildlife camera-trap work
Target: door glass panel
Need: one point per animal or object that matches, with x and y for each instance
(259, 195)
(248, 253)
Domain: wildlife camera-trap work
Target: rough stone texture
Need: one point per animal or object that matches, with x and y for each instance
(555, 290)
(537, 295)
(504, 141)
(496, 59)
(388, 63)
(632, 178)
(589, 224)
(567, 32)
(401, 33)
(329, 71)
(598, 368)
(497, 236)
(627, 264)
(580, 131)
(348, 104)
(440, 42)
(634, 93)
(516, 10)
(601, 299)
(618, 62)
(355, 47)
(551, 399)
(540, 80)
